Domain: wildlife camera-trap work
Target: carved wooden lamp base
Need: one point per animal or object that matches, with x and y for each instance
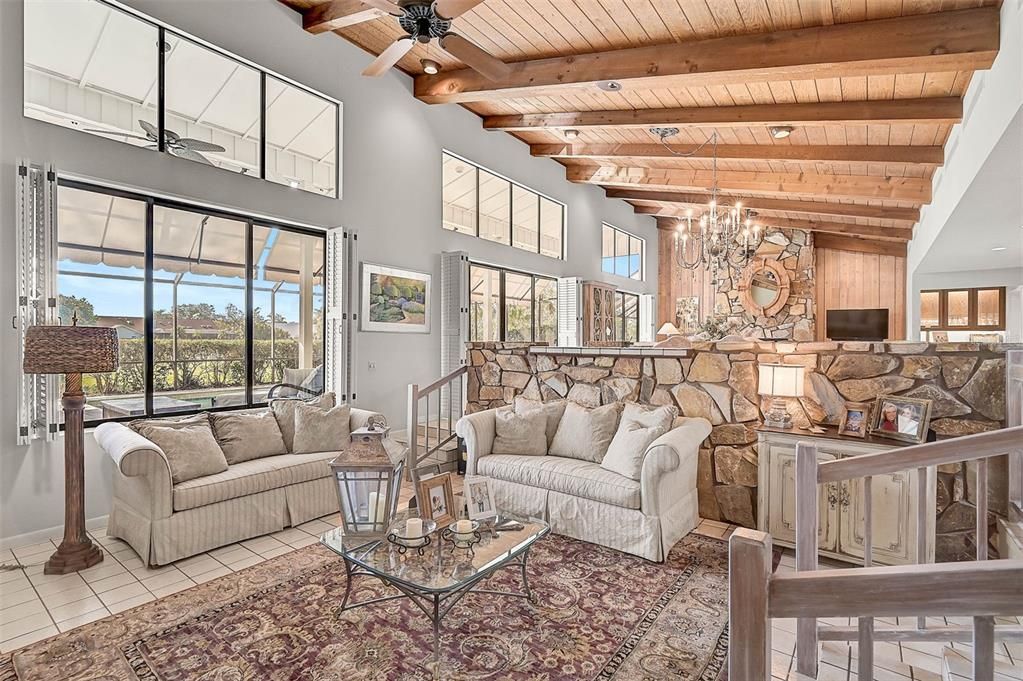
(73, 557)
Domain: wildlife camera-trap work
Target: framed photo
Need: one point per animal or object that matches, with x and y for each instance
(436, 499)
(901, 418)
(395, 300)
(687, 314)
(479, 498)
(855, 419)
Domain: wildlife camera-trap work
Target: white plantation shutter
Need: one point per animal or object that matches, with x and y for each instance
(569, 312)
(36, 218)
(454, 321)
(647, 319)
(335, 363)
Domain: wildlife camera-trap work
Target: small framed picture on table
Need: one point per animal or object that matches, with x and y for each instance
(901, 418)
(855, 419)
(479, 498)
(436, 499)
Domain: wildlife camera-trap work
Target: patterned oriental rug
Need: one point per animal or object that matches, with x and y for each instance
(601, 615)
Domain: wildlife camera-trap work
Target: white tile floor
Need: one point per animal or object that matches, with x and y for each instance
(34, 606)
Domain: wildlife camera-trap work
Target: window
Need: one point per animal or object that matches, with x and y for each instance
(96, 68)
(621, 253)
(627, 316)
(972, 309)
(480, 203)
(196, 342)
(505, 305)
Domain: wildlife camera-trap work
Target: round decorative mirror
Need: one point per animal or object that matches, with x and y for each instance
(764, 288)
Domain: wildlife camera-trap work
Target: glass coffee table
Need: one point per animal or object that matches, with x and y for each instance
(441, 575)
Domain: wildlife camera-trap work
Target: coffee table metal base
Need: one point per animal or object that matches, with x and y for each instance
(435, 605)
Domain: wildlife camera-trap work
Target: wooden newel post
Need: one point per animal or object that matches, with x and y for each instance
(749, 576)
(807, 519)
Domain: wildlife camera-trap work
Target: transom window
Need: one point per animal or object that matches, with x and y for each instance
(480, 203)
(621, 253)
(966, 309)
(212, 309)
(505, 305)
(100, 69)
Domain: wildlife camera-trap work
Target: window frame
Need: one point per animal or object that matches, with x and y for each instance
(502, 307)
(973, 309)
(621, 323)
(163, 29)
(512, 185)
(152, 201)
(630, 238)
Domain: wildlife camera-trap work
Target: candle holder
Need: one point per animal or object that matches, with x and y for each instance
(463, 540)
(396, 535)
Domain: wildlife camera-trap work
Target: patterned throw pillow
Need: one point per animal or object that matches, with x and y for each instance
(520, 433)
(191, 450)
(284, 411)
(248, 435)
(321, 430)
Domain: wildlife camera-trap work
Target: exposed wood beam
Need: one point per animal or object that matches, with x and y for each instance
(653, 202)
(913, 189)
(842, 228)
(859, 244)
(916, 155)
(935, 110)
(962, 40)
(337, 14)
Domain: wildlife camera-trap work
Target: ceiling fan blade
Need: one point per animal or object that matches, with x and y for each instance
(190, 155)
(384, 6)
(199, 145)
(115, 133)
(449, 9)
(149, 128)
(389, 57)
(475, 57)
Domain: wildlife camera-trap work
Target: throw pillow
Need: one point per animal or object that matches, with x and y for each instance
(585, 434)
(247, 436)
(522, 434)
(321, 430)
(650, 416)
(284, 412)
(202, 418)
(628, 448)
(552, 410)
(191, 450)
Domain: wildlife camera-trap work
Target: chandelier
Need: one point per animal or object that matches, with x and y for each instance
(719, 235)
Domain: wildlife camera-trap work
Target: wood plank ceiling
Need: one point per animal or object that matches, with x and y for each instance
(872, 89)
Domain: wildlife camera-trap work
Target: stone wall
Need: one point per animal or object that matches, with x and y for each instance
(718, 381)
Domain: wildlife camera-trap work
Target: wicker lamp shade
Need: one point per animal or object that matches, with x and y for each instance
(70, 350)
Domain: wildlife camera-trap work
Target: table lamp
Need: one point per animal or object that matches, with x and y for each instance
(780, 381)
(668, 329)
(72, 351)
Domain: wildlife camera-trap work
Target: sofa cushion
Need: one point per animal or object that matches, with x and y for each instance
(319, 429)
(284, 411)
(586, 433)
(559, 474)
(552, 410)
(251, 477)
(246, 436)
(190, 448)
(638, 427)
(516, 433)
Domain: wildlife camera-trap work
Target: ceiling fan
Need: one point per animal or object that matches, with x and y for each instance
(183, 147)
(422, 21)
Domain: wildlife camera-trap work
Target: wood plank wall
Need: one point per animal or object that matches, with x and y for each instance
(844, 280)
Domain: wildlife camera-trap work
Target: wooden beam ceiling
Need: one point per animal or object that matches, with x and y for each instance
(859, 244)
(928, 43)
(338, 14)
(936, 110)
(910, 189)
(915, 155)
(848, 210)
(841, 228)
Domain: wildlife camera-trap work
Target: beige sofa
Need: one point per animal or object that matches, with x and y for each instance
(581, 499)
(165, 522)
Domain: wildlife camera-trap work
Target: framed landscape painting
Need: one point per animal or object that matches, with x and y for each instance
(395, 300)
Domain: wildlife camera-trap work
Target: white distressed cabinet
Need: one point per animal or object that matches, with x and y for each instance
(840, 526)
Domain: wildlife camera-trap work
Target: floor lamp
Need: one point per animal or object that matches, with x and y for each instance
(72, 351)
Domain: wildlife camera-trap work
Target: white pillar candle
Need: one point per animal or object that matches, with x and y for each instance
(414, 528)
(381, 508)
(373, 496)
(463, 527)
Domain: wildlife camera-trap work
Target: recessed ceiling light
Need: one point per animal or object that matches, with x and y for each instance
(609, 85)
(999, 248)
(430, 66)
(571, 133)
(780, 132)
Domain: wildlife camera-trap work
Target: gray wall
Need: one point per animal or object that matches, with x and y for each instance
(392, 195)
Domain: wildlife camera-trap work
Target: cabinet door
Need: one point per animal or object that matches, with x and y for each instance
(894, 518)
(781, 508)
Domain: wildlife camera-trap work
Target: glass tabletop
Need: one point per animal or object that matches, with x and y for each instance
(442, 567)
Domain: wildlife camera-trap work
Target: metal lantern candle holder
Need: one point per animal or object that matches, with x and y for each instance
(368, 474)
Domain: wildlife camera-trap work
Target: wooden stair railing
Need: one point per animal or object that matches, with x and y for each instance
(447, 394)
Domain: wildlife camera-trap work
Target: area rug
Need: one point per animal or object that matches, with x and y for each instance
(601, 615)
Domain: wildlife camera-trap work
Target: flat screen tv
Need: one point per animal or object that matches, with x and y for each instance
(853, 325)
